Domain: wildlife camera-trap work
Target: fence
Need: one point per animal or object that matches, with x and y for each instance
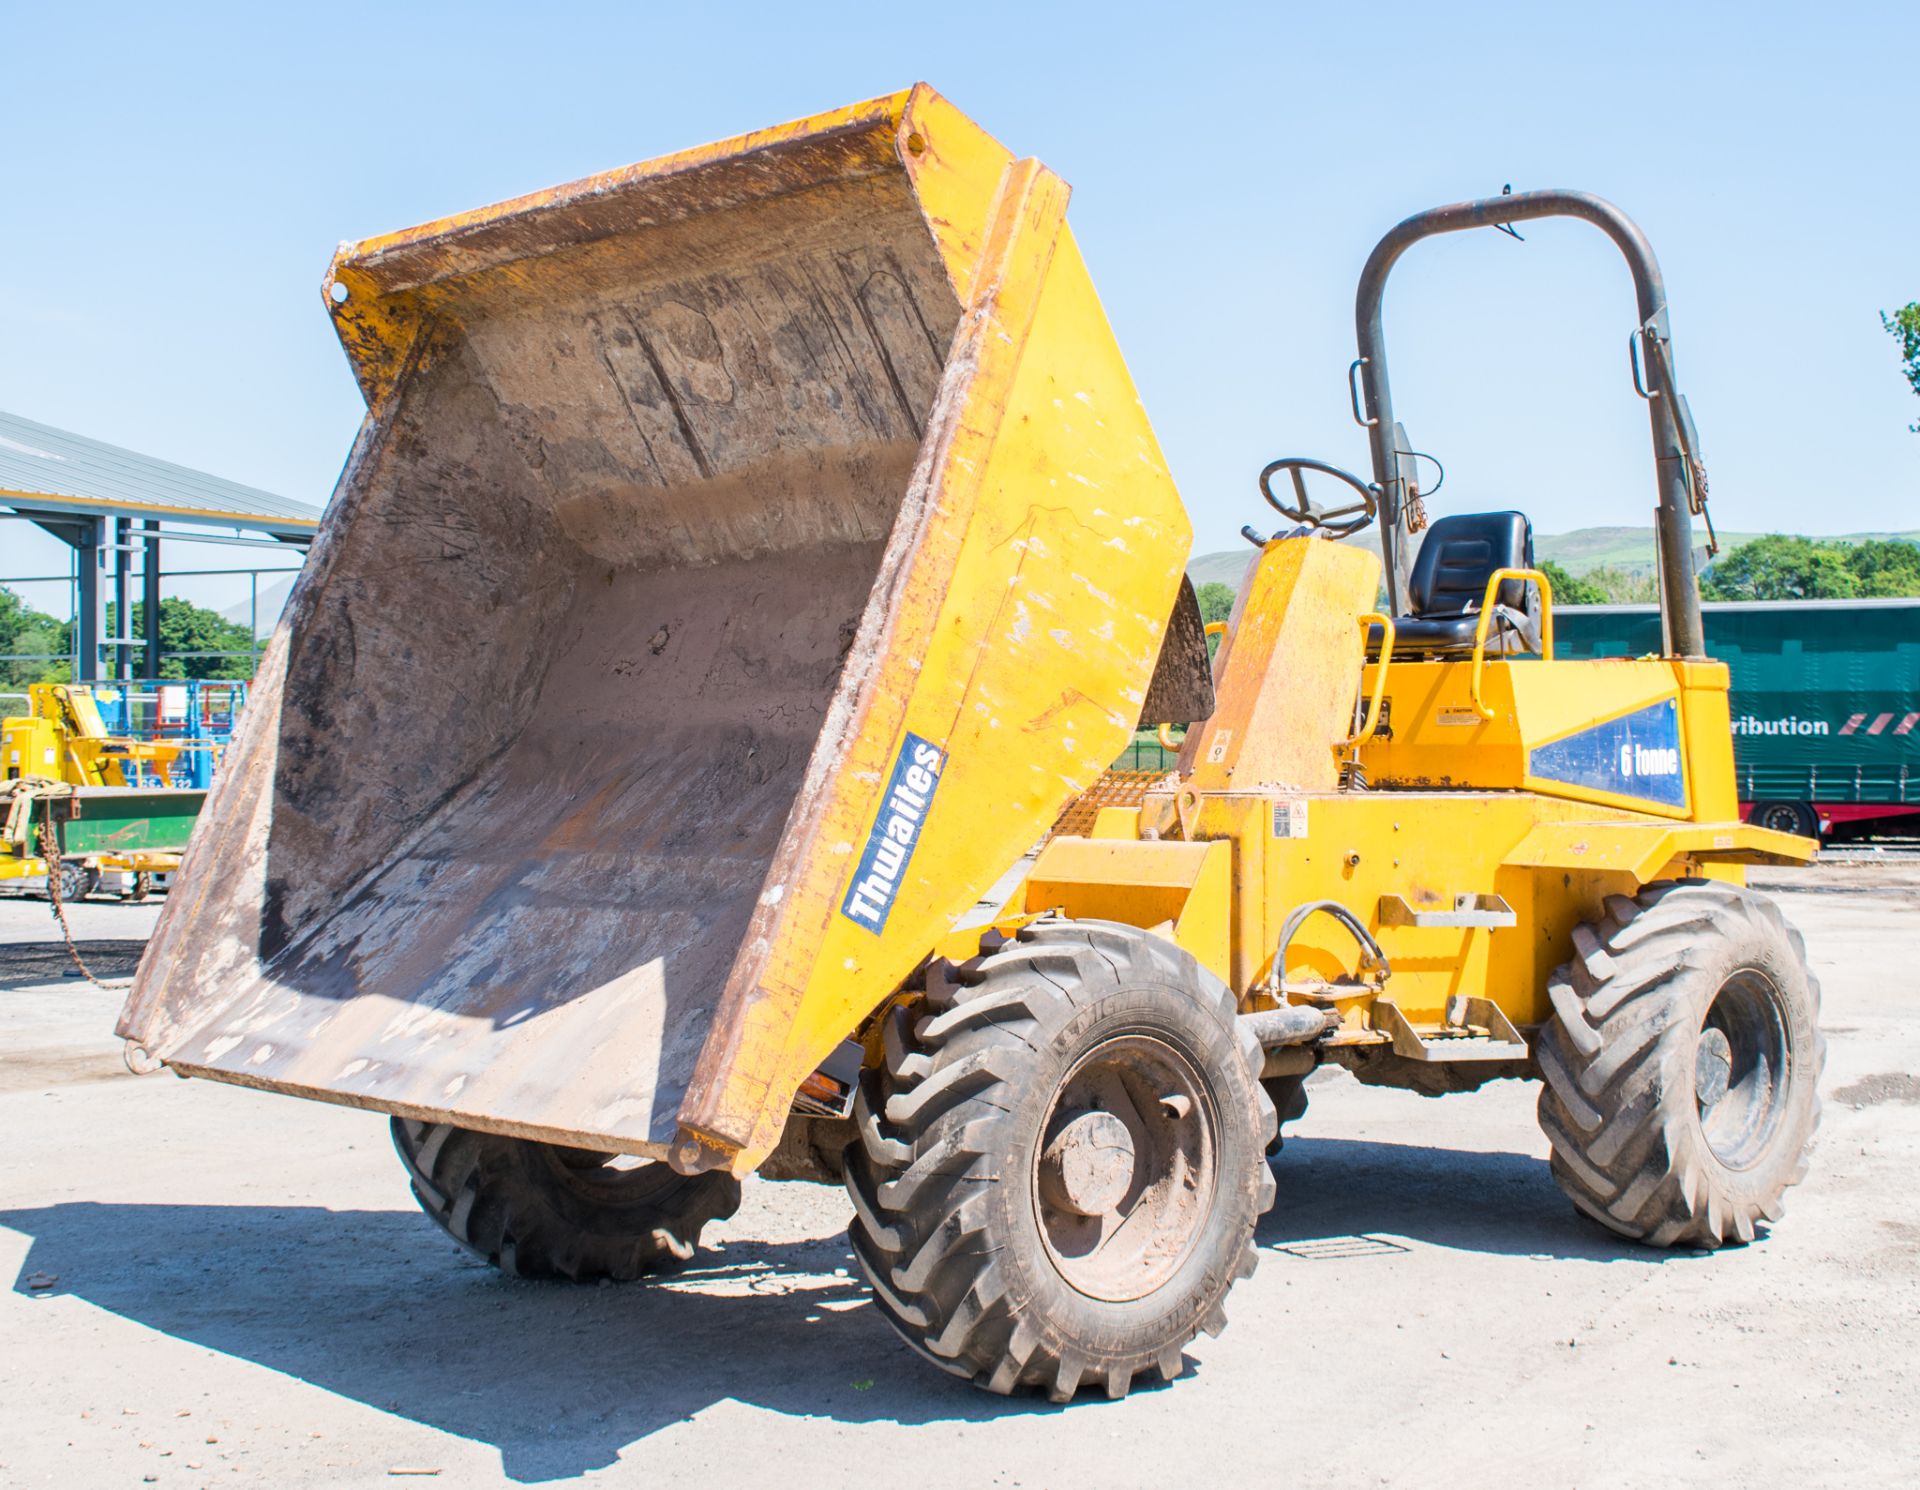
(1146, 753)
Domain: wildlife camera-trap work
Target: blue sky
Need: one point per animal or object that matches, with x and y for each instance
(173, 181)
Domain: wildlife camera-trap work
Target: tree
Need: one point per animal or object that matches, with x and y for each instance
(1904, 327)
(1778, 567)
(1216, 601)
(1216, 604)
(25, 631)
(1782, 568)
(186, 628)
(1624, 586)
(1886, 566)
(1569, 589)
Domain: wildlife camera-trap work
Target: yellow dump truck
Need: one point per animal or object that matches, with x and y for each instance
(789, 506)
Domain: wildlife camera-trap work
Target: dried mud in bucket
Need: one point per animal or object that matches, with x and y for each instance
(554, 677)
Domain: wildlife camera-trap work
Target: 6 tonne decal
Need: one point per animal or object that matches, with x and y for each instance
(882, 868)
(1636, 755)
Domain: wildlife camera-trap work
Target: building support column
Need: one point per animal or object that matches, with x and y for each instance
(90, 619)
(120, 664)
(150, 573)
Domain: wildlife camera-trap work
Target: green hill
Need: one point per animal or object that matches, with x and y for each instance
(1582, 550)
(1227, 568)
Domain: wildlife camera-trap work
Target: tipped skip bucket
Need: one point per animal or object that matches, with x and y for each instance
(745, 557)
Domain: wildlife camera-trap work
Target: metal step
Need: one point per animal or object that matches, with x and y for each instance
(1468, 910)
(1458, 1040)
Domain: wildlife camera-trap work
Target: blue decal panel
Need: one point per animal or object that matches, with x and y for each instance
(1635, 755)
(896, 832)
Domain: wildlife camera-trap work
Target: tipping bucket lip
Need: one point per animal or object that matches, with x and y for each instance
(379, 289)
(805, 152)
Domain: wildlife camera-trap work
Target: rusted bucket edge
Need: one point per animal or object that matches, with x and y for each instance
(479, 1122)
(760, 164)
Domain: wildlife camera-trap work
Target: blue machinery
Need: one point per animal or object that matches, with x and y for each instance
(198, 714)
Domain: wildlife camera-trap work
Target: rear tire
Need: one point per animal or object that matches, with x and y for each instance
(1788, 817)
(538, 1210)
(1061, 1161)
(1682, 1065)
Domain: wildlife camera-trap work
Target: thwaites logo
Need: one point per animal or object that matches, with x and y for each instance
(1635, 755)
(896, 831)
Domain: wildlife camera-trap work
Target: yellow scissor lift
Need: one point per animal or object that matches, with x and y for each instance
(791, 504)
(62, 765)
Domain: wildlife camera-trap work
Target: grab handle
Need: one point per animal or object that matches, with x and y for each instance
(1371, 722)
(1494, 582)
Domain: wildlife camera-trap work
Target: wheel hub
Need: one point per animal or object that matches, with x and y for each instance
(1740, 1069)
(1089, 1166)
(1125, 1173)
(1712, 1067)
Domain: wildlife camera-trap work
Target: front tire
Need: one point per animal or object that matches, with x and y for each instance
(1682, 1065)
(538, 1210)
(77, 881)
(1061, 1161)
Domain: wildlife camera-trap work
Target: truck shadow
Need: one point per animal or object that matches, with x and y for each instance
(378, 1307)
(1334, 1190)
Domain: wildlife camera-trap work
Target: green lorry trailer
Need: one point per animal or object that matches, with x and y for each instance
(1826, 703)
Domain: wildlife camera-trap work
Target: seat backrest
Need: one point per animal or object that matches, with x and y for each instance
(1458, 557)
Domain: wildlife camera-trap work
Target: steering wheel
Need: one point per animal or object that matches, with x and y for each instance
(1340, 522)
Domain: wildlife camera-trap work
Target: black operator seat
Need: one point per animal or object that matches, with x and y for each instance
(1449, 581)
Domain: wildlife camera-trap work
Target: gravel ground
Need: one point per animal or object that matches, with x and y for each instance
(210, 1286)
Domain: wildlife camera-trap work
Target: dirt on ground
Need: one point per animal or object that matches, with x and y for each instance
(208, 1286)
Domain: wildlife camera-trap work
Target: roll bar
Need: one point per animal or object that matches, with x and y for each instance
(1680, 478)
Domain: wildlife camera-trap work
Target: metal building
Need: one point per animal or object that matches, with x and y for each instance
(117, 510)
